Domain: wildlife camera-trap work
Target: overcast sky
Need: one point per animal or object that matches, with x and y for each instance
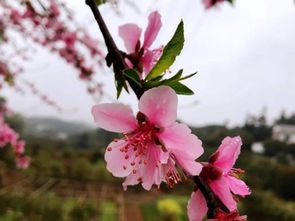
(244, 55)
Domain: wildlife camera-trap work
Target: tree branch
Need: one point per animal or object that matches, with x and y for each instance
(114, 54)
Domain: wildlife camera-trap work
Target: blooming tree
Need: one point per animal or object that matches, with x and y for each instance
(51, 25)
(155, 148)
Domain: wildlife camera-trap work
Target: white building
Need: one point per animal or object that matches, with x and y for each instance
(284, 133)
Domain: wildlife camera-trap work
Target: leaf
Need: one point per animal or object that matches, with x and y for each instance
(100, 2)
(171, 50)
(180, 88)
(176, 76)
(132, 75)
(120, 82)
(188, 76)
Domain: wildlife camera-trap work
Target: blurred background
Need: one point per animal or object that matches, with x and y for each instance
(244, 54)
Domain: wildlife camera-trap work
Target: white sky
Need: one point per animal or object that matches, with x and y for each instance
(244, 55)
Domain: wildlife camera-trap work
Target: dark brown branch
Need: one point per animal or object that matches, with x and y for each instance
(114, 54)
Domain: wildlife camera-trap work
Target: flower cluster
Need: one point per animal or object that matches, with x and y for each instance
(9, 137)
(156, 149)
(51, 25)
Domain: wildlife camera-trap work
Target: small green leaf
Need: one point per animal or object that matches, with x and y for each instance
(180, 88)
(120, 82)
(157, 79)
(176, 76)
(171, 50)
(188, 76)
(132, 75)
(100, 2)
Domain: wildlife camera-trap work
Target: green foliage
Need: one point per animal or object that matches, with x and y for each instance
(83, 212)
(82, 169)
(265, 206)
(273, 147)
(173, 82)
(132, 75)
(108, 211)
(169, 207)
(171, 50)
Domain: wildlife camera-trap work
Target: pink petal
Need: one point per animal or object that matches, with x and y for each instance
(114, 117)
(131, 180)
(152, 170)
(116, 162)
(197, 207)
(150, 58)
(221, 188)
(238, 186)
(228, 153)
(159, 105)
(179, 137)
(130, 33)
(152, 29)
(186, 162)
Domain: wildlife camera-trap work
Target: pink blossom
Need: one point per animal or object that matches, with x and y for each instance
(54, 9)
(140, 56)
(69, 38)
(153, 143)
(222, 178)
(9, 137)
(211, 3)
(23, 162)
(19, 147)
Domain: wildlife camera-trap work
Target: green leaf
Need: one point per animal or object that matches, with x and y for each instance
(171, 50)
(179, 88)
(120, 82)
(188, 76)
(100, 2)
(176, 76)
(132, 75)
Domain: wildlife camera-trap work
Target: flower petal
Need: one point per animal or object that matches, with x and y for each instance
(115, 158)
(114, 117)
(197, 207)
(130, 33)
(221, 188)
(152, 29)
(159, 105)
(238, 186)
(150, 58)
(131, 180)
(186, 162)
(152, 170)
(179, 137)
(228, 153)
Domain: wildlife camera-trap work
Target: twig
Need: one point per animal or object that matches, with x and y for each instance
(114, 54)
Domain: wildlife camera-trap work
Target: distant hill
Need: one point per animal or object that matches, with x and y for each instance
(53, 127)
